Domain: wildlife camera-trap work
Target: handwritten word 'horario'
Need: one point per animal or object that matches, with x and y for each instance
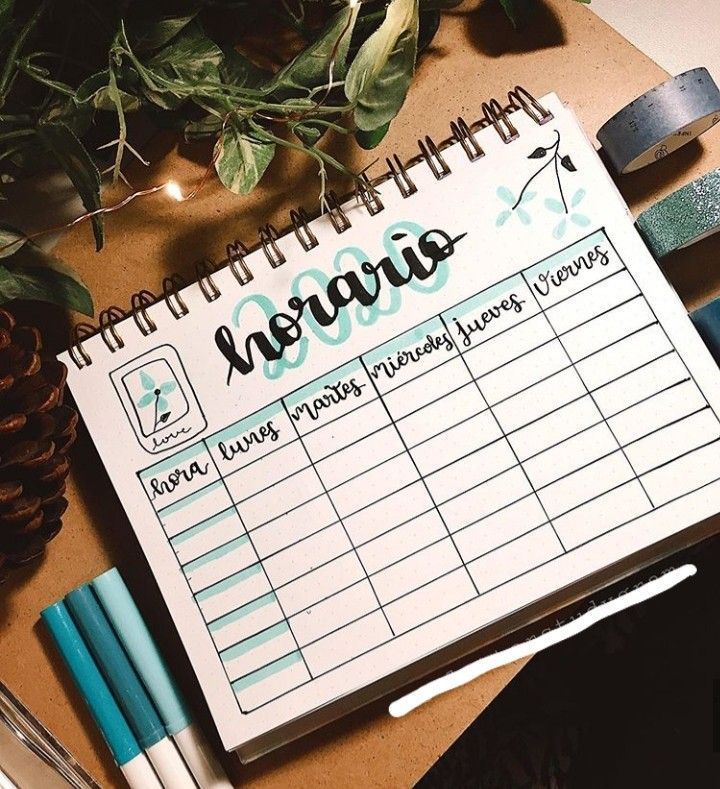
(285, 328)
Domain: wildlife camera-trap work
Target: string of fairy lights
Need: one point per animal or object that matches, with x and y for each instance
(171, 188)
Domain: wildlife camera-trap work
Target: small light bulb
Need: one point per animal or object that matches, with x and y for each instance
(173, 190)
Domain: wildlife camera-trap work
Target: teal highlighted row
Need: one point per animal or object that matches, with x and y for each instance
(411, 338)
(228, 583)
(240, 613)
(248, 644)
(266, 671)
(208, 523)
(573, 251)
(189, 499)
(174, 461)
(309, 391)
(486, 297)
(216, 553)
(233, 431)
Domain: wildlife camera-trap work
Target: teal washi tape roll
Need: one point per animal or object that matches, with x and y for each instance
(661, 120)
(687, 215)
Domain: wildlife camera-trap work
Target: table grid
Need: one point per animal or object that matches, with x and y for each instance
(461, 455)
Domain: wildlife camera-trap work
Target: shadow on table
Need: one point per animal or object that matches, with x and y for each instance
(628, 703)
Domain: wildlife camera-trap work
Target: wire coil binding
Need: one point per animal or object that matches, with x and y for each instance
(431, 153)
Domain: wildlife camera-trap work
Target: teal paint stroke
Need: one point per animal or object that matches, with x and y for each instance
(215, 554)
(228, 583)
(267, 671)
(242, 612)
(254, 642)
(272, 369)
(208, 523)
(189, 499)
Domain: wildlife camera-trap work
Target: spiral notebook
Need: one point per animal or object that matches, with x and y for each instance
(437, 412)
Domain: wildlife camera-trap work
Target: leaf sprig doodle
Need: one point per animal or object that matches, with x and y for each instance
(558, 204)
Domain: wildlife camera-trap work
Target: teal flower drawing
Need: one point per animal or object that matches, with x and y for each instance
(515, 206)
(154, 395)
(562, 166)
(556, 207)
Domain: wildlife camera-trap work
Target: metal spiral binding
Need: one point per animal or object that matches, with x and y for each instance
(493, 114)
(268, 236)
(496, 116)
(172, 286)
(301, 226)
(139, 302)
(236, 253)
(108, 330)
(431, 153)
(463, 134)
(337, 216)
(204, 270)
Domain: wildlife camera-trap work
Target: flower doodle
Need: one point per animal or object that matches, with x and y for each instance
(154, 395)
(558, 204)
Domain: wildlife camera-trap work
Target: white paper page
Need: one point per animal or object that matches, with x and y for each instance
(492, 427)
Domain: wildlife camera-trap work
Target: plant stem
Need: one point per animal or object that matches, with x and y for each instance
(10, 63)
(559, 183)
(553, 159)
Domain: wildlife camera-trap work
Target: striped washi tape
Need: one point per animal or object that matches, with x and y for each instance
(661, 120)
(683, 217)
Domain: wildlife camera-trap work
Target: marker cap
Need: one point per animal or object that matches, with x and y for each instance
(140, 646)
(92, 686)
(116, 667)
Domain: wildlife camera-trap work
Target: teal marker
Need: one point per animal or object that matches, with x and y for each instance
(143, 652)
(707, 322)
(98, 698)
(127, 689)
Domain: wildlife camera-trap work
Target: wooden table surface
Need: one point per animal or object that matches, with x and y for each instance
(476, 55)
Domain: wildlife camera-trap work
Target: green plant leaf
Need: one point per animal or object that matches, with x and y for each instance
(308, 132)
(149, 33)
(237, 70)
(96, 92)
(178, 71)
(34, 274)
(74, 159)
(208, 126)
(379, 77)
(310, 68)
(12, 236)
(514, 10)
(369, 139)
(243, 159)
(6, 9)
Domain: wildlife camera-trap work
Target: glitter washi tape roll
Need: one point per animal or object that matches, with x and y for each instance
(687, 215)
(661, 120)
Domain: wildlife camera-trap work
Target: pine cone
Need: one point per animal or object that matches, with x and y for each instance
(36, 431)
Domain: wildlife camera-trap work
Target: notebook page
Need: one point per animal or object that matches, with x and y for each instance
(334, 474)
